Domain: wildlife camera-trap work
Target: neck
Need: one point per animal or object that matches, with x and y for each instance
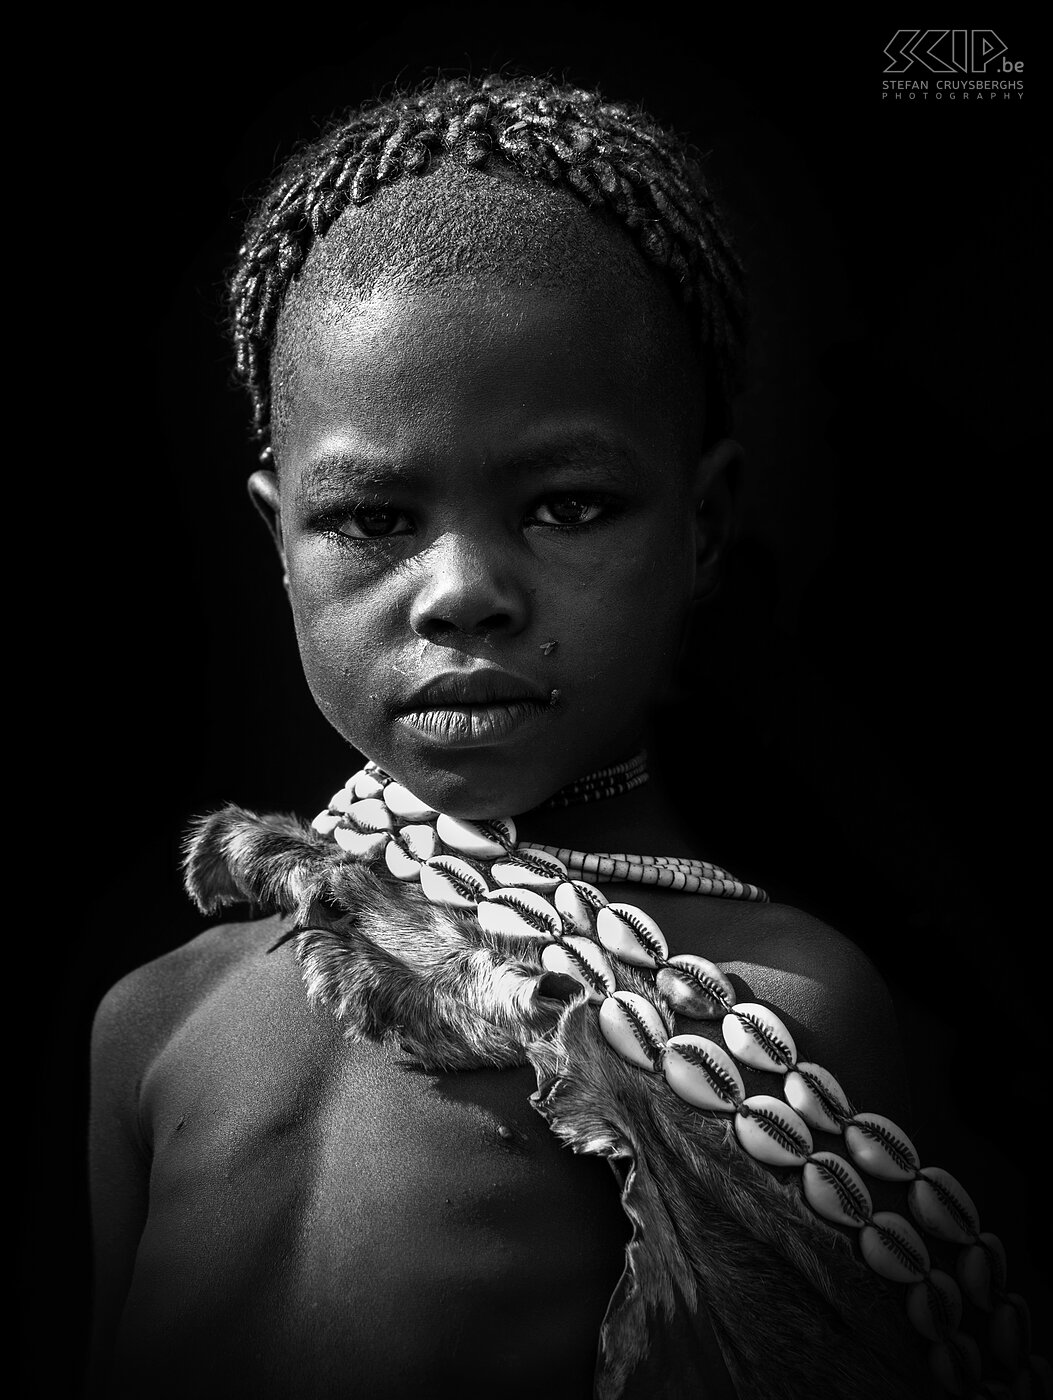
(639, 821)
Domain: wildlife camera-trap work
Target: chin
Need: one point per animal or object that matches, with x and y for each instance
(479, 791)
(483, 802)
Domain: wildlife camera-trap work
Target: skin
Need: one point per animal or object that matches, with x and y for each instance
(477, 420)
(281, 1213)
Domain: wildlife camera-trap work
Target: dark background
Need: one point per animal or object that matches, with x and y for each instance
(858, 719)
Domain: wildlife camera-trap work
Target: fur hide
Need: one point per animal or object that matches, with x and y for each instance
(794, 1313)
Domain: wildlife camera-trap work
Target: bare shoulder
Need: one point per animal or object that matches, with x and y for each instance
(818, 971)
(832, 998)
(139, 1014)
(826, 989)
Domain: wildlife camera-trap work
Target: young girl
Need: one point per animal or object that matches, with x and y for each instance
(363, 1145)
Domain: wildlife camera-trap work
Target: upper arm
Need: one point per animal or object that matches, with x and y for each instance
(118, 1158)
(135, 1021)
(118, 1155)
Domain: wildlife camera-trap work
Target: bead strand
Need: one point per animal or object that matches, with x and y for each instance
(664, 872)
(613, 781)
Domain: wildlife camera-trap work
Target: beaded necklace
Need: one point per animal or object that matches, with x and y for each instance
(531, 893)
(605, 782)
(684, 874)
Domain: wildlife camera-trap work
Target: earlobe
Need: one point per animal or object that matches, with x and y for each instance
(716, 493)
(266, 497)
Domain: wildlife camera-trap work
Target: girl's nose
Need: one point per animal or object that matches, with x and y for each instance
(467, 588)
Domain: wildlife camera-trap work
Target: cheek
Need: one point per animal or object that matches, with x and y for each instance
(338, 636)
(336, 601)
(630, 603)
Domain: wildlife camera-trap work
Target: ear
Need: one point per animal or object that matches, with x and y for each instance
(265, 495)
(716, 486)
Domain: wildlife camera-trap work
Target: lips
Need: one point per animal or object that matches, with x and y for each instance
(485, 686)
(482, 706)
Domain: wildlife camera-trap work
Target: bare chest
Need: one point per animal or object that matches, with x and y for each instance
(322, 1211)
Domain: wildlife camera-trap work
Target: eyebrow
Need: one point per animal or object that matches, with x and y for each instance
(329, 475)
(585, 453)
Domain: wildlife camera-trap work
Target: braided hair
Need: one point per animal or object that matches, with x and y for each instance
(615, 159)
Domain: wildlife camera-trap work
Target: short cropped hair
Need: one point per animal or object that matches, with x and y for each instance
(614, 159)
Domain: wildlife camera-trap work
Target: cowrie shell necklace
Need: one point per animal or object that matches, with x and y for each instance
(537, 894)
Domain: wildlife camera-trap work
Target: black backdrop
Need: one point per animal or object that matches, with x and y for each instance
(858, 717)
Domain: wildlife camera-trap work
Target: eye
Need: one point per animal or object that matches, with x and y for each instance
(374, 522)
(569, 510)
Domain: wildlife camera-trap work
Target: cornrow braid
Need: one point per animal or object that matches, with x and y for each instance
(614, 158)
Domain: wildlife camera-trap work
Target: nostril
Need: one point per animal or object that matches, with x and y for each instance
(493, 623)
(437, 627)
(447, 627)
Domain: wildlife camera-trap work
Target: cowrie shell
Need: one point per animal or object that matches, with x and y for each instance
(881, 1147)
(363, 844)
(758, 1038)
(631, 935)
(955, 1362)
(402, 802)
(817, 1097)
(573, 909)
(341, 801)
(530, 870)
(420, 841)
(771, 1132)
(934, 1305)
(633, 1027)
(447, 880)
(1040, 1376)
(893, 1248)
(483, 840)
(521, 913)
(702, 1073)
(365, 784)
(835, 1190)
(401, 865)
(1010, 1332)
(998, 1390)
(583, 960)
(943, 1207)
(326, 822)
(981, 1270)
(593, 897)
(371, 815)
(695, 987)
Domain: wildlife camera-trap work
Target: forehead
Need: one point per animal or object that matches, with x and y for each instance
(449, 269)
(480, 369)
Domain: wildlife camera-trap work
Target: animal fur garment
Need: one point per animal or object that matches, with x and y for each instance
(794, 1313)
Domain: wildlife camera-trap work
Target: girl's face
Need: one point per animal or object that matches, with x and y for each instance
(488, 516)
